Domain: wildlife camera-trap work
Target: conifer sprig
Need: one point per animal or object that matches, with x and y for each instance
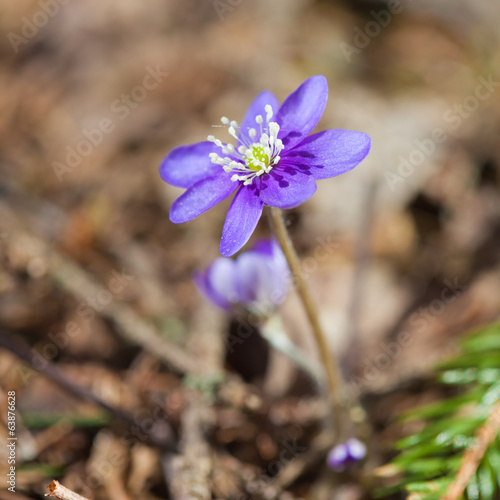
(456, 452)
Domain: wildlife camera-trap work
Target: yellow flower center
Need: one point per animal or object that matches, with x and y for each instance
(258, 159)
(250, 159)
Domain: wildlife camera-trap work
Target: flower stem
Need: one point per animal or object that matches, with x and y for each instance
(272, 330)
(330, 364)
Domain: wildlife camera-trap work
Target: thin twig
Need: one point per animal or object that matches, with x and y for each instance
(57, 490)
(163, 438)
(320, 446)
(330, 364)
(362, 258)
(471, 459)
(21, 217)
(189, 474)
(129, 324)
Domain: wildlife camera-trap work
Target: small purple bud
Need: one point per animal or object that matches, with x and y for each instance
(344, 455)
(258, 279)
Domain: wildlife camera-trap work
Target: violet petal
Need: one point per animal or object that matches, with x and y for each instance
(186, 165)
(330, 153)
(242, 218)
(204, 287)
(248, 267)
(258, 108)
(302, 109)
(286, 188)
(200, 197)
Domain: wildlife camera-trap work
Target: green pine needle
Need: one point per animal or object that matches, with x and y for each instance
(430, 458)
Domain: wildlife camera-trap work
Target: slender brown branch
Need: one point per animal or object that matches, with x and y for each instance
(163, 440)
(330, 364)
(189, 473)
(128, 323)
(319, 447)
(57, 490)
(485, 435)
(355, 310)
(361, 263)
(24, 216)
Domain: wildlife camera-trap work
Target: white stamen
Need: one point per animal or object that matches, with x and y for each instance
(232, 132)
(274, 128)
(251, 158)
(269, 112)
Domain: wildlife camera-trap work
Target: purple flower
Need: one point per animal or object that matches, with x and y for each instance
(258, 279)
(275, 162)
(344, 455)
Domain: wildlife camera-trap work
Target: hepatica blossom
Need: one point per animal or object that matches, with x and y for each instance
(273, 162)
(258, 279)
(346, 454)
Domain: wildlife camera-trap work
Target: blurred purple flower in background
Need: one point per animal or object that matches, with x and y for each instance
(274, 162)
(258, 279)
(344, 455)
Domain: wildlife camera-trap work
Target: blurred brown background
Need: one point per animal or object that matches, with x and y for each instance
(94, 94)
